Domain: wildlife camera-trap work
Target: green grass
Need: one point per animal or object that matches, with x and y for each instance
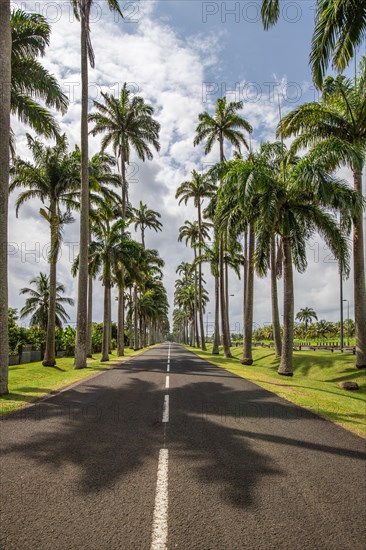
(313, 386)
(31, 381)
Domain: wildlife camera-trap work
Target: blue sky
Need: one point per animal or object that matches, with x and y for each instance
(180, 55)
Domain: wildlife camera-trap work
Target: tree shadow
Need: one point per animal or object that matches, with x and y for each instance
(112, 427)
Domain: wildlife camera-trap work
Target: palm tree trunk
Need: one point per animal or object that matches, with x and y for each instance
(286, 364)
(247, 358)
(110, 320)
(245, 275)
(224, 330)
(274, 294)
(49, 359)
(200, 303)
(81, 332)
(124, 183)
(196, 340)
(121, 322)
(359, 282)
(5, 79)
(130, 315)
(90, 316)
(143, 236)
(216, 337)
(227, 301)
(223, 304)
(106, 319)
(136, 333)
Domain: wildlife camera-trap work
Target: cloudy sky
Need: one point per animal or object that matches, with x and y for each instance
(180, 55)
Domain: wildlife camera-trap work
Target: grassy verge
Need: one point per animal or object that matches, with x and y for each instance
(31, 381)
(313, 386)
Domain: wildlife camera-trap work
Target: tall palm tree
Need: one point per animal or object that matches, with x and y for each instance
(30, 81)
(335, 128)
(198, 188)
(127, 124)
(237, 213)
(52, 178)
(111, 245)
(38, 303)
(194, 233)
(225, 124)
(182, 298)
(101, 181)
(306, 315)
(144, 218)
(340, 27)
(211, 256)
(82, 10)
(295, 211)
(5, 78)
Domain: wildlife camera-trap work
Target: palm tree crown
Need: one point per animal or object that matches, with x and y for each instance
(225, 124)
(127, 123)
(143, 218)
(340, 27)
(306, 315)
(30, 81)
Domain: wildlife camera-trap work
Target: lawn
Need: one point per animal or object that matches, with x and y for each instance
(313, 386)
(31, 381)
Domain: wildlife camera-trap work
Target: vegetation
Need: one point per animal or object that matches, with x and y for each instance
(225, 124)
(340, 27)
(335, 131)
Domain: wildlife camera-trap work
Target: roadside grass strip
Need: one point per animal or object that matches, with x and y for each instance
(32, 381)
(314, 386)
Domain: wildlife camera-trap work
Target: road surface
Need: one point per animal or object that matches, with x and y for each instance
(167, 451)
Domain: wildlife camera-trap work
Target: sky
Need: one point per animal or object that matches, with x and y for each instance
(180, 56)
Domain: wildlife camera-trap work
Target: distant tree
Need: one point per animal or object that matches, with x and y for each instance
(306, 316)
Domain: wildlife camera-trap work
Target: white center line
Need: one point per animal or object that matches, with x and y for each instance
(166, 409)
(167, 382)
(160, 521)
(168, 367)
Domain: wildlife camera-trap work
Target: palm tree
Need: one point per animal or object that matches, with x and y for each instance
(101, 179)
(236, 213)
(184, 312)
(306, 315)
(293, 210)
(144, 218)
(194, 233)
(5, 78)
(128, 124)
(110, 246)
(198, 188)
(38, 303)
(335, 128)
(340, 27)
(30, 81)
(82, 12)
(225, 124)
(53, 179)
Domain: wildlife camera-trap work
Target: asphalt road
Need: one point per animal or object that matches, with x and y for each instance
(168, 451)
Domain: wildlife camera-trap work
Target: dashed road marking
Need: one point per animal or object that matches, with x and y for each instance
(160, 519)
(166, 409)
